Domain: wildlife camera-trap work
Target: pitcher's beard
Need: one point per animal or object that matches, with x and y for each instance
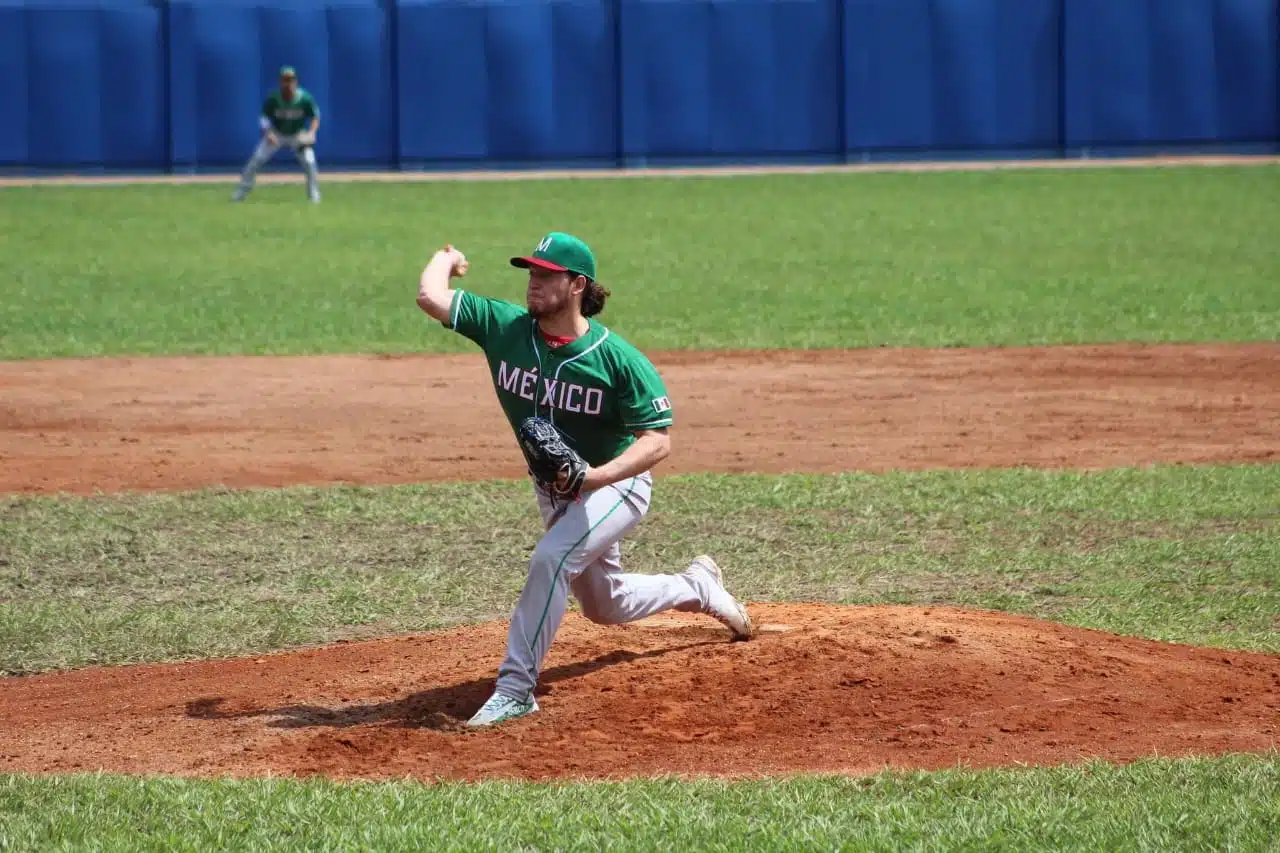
(545, 308)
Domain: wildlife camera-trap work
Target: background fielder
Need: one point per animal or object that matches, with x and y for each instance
(290, 119)
(610, 405)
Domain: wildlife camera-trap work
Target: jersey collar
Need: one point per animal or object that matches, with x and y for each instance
(573, 348)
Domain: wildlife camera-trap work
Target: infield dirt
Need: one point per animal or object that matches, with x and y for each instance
(156, 424)
(823, 688)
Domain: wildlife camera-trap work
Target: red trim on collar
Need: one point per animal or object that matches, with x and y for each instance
(554, 341)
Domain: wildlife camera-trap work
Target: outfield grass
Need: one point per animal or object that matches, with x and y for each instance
(1028, 257)
(1230, 803)
(1186, 554)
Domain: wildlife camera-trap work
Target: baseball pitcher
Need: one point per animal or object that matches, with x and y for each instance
(290, 119)
(592, 417)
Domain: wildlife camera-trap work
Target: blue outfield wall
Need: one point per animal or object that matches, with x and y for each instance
(1190, 71)
(224, 58)
(82, 84)
(151, 85)
(507, 81)
(953, 74)
(748, 78)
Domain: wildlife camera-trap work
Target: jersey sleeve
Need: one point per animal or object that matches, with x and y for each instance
(267, 103)
(309, 108)
(642, 395)
(479, 318)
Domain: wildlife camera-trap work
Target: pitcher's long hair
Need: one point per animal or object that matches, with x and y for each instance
(593, 298)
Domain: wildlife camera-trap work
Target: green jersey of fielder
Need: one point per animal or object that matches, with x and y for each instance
(551, 358)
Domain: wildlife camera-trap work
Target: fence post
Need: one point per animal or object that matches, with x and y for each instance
(166, 52)
(842, 89)
(619, 157)
(393, 50)
(1062, 79)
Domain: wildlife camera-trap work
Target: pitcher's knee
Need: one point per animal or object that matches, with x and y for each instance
(602, 602)
(599, 612)
(595, 594)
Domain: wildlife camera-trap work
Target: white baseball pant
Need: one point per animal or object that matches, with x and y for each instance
(306, 157)
(580, 553)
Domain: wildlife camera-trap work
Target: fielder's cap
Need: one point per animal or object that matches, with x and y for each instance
(287, 71)
(560, 252)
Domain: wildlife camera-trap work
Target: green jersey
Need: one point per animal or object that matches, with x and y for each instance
(290, 117)
(598, 390)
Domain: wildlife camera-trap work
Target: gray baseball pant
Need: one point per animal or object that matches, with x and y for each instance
(306, 156)
(579, 552)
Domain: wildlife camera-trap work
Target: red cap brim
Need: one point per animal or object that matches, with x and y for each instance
(525, 263)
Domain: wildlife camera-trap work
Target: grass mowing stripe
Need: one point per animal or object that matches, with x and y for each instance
(939, 259)
(1179, 553)
(1225, 803)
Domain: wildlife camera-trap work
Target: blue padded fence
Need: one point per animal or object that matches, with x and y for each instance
(953, 74)
(177, 85)
(749, 78)
(1149, 71)
(506, 81)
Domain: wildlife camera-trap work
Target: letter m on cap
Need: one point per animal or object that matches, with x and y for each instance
(545, 244)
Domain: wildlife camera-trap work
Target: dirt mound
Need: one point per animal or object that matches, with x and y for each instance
(126, 424)
(822, 689)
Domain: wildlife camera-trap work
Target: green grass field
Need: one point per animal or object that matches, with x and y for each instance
(1172, 552)
(1029, 257)
(1229, 803)
(1181, 554)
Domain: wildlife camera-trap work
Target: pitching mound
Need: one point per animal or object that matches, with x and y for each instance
(822, 689)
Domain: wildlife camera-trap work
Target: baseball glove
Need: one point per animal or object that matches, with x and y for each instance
(553, 464)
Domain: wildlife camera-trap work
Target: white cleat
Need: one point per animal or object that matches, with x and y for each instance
(708, 581)
(500, 709)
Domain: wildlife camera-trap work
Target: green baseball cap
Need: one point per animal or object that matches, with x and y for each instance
(287, 71)
(560, 252)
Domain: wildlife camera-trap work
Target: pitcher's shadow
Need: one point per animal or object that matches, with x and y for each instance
(442, 708)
